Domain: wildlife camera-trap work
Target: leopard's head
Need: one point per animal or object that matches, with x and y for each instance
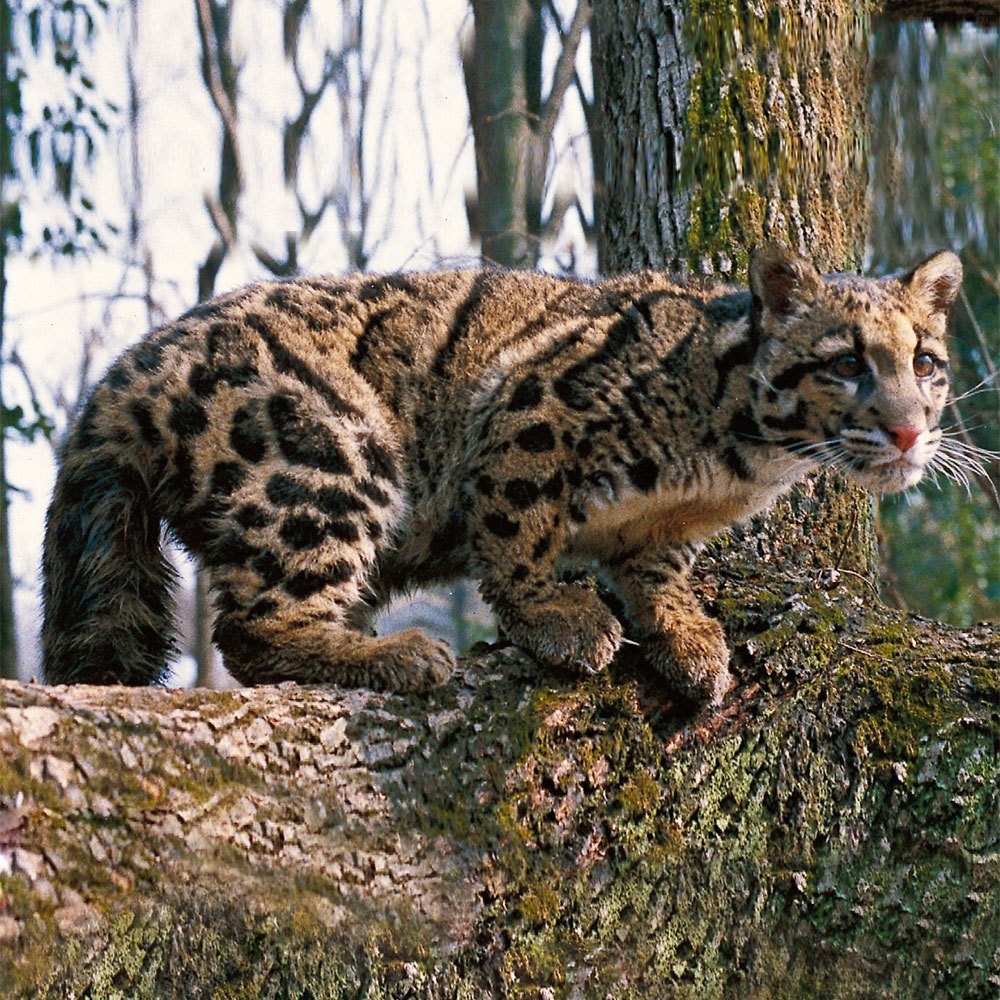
(853, 372)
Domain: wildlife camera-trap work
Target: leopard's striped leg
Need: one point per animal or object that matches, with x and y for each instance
(678, 637)
(561, 624)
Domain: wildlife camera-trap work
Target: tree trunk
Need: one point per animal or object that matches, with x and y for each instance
(8, 631)
(831, 831)
(503, 65)
(724, 127)
(982, 12)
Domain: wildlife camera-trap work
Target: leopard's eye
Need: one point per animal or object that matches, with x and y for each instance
(847, 365)
(924, 365)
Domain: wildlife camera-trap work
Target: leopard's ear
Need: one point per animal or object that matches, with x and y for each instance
(781, 280)
(936, 282)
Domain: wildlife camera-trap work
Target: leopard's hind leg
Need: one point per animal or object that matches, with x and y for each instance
(291, 546)
(307, 640)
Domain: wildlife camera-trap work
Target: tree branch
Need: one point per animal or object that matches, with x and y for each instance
(213, 81)
(516, 826)
(983, 12)
(565, 67)
(221, 222)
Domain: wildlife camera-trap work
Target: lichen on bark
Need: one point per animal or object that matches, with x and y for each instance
(521, 831)
(728, 123)
(776, 131)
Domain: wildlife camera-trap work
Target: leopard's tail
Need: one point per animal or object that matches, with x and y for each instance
(107, 586)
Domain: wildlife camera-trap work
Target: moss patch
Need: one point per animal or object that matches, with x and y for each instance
(761, 87)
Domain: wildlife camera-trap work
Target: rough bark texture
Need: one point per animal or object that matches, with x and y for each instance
(832, 831)
(642, 80)
(739, 123)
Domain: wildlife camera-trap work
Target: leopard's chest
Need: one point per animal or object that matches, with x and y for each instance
(685, 512)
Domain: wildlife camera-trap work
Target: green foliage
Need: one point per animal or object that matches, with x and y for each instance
(54, 145)
(935, 147)
(943, 551)
(14, 418)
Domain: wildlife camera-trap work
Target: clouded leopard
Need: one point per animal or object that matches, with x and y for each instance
(320, 444)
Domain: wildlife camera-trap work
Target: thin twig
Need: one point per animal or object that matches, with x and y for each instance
(565, 68)
(213, 81)
(863, 652)
(847, 539)
(984, 347)
(983, 273)
(221, 222)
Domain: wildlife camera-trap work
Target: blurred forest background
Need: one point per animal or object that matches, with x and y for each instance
(154, 154)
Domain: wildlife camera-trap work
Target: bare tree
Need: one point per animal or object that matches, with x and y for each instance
(220, 73)
(348, 186)
(513, 124)
(138, 249)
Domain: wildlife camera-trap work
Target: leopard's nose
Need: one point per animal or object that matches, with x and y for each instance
(904, 436)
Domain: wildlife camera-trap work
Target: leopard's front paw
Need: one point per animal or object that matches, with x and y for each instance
(573, 630)
(693, 655)
(425, 662)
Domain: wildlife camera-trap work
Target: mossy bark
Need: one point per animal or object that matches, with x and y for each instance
(727, 123)
(832, 831)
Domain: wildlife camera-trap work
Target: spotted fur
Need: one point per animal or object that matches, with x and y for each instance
(321, 444)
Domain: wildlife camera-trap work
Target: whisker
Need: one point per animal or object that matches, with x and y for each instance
(935, 478)
(812, 448)
(953, 478)
(952, 469)
(758, 376)
(970, 458)
(959, 431)
(811, 452)
(828, 456)
(957, 445)
(983, 386)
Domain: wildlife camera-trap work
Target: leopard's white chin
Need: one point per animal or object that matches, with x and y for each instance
(889, 477)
